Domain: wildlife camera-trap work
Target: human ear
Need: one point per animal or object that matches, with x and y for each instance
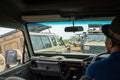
(110, 43)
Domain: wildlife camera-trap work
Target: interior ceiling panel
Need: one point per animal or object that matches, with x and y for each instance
(63, 8)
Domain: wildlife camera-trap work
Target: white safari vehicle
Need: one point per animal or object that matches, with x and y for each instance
(47, 42)
(94, 40)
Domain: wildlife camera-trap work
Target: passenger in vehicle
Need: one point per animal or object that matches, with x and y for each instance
(108, 68)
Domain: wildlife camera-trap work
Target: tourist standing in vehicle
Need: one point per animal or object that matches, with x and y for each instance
(108, 68)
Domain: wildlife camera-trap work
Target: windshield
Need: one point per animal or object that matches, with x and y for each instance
(49, 37)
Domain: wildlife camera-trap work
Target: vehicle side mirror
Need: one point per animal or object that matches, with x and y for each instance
(11, 57)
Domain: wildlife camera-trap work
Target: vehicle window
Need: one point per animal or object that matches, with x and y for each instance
(54, 41)
(95, 37)
(37, 43)
(46, 41)
(89, 41)
(10, 39)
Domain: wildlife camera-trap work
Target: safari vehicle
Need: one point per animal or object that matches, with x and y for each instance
(52, 65)
(46, 42)
(12, 40)
(94, 40)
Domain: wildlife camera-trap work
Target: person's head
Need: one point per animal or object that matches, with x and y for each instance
(112, 33)
(111, 45)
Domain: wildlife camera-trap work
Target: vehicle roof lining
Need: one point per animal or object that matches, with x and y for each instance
(57, 10)
(51, 18)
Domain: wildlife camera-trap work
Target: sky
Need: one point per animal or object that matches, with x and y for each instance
(59, 30)
(58, 27)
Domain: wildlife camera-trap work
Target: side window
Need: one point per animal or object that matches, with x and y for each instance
(10, 39)
(54, 41)
(46, 41)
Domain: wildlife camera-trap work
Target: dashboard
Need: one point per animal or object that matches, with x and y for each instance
(60, 66)
(66, 68)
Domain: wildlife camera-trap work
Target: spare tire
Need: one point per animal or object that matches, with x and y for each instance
(19, 58)
(2, 63)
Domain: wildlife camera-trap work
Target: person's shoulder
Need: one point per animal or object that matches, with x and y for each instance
(98, 63)
(93, 67)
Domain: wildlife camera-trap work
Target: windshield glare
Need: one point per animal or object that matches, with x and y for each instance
(50, 37)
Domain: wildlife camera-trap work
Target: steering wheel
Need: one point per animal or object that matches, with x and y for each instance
(97, 55)
(64, 71)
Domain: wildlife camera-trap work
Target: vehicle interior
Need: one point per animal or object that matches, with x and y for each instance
(44, 29)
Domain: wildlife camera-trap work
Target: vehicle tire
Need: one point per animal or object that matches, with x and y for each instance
(19, 58)
(2, 63)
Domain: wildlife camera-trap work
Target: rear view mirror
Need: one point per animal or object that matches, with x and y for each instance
(11, 57)
(74, 29)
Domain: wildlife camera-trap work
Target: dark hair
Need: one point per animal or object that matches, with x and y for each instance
(114, 43)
